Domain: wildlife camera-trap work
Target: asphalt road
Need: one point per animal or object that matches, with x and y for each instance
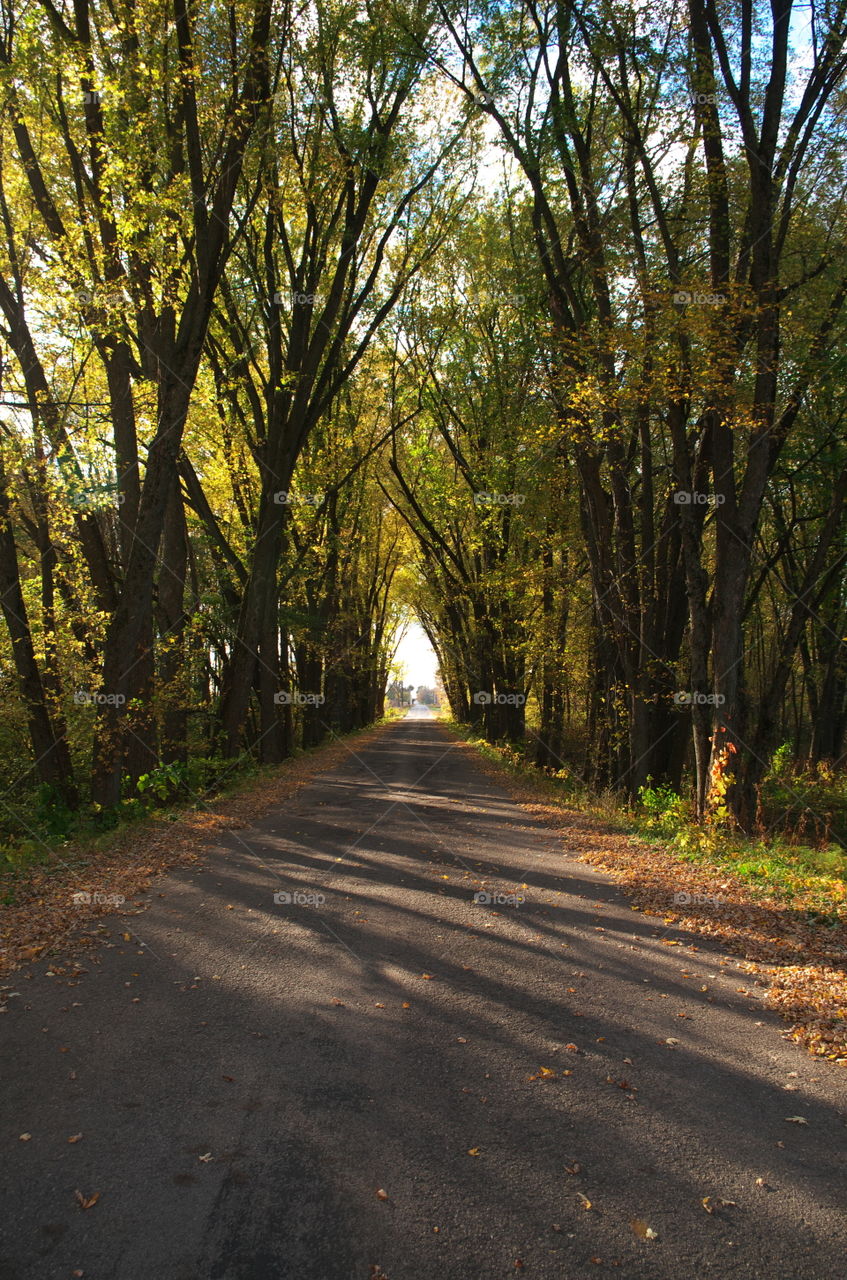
(341, 1089)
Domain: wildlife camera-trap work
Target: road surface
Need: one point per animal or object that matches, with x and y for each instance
(352, 1084)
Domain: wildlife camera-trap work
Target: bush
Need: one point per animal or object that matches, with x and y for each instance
(666, 810)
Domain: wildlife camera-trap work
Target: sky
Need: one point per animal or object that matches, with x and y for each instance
(416, 654)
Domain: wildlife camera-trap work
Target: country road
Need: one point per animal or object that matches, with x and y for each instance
(353, 1084)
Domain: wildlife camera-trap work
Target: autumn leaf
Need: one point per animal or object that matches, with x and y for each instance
(381, 1195)
(796, 1120)
(86, 1202)
(474, 1151)
(641, 1229)
(25, 1137)
(573, 1168)
(75, 1137)
(710, 1205)
(584, 1201)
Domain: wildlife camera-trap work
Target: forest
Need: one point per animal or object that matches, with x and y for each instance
(525, 319)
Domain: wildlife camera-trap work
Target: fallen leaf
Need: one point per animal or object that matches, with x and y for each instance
(796, 1119)
(544, 1073)
(25, 1137)
(381, 1195)
(86, 1202)
(584, 1201)
(573, 1168)
(710, 1205)
(461, 1040)
(206, 1158)
(340, 1003)
(428, 976)
(641, 1229)
(229, 1079)
(75, 1137)
(474, 1151)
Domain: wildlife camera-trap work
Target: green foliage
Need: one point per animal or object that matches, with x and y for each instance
(666, 811)
(164, 782)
